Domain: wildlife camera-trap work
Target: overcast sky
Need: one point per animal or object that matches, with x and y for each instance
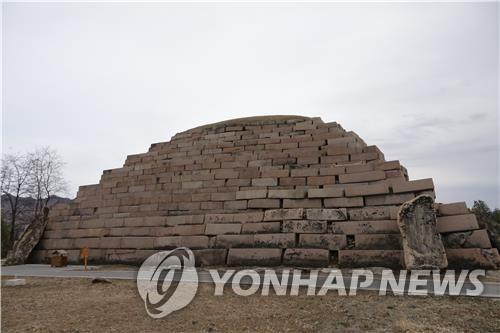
(100, 81)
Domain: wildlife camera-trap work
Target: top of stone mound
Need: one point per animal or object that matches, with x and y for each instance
(248, 121)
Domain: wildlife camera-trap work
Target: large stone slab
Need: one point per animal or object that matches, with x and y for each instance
(252, 257)
(327, 214)
(477, 258)
(467, 239)
(210, 257)
(455, 208)
(422, 244)
(365, 227)
(378, 242)
(320, 241)
(371, 258)
(306, 257)
(457, 223)
(264, 227)
(305, 226)
(281, 240)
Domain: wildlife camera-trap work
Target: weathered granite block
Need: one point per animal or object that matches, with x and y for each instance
(422, 244)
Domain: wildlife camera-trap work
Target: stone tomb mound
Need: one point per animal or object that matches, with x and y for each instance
(279, 190)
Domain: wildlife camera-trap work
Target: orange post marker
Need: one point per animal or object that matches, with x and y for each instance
(85, 254)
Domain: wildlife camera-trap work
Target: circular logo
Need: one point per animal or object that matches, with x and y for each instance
(167, 281)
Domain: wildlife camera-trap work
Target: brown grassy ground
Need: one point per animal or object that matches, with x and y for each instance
(77, 305)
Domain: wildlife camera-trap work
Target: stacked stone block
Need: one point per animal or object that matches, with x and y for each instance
(281, 190)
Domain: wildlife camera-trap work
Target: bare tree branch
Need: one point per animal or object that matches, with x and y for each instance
(15, 174)
(37, 175)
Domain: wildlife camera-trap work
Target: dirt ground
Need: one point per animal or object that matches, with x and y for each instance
(77, 305)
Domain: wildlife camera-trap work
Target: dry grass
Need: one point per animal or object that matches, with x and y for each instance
(77, 305)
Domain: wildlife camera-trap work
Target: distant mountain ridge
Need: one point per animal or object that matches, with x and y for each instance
(28, 205)
(30, 202)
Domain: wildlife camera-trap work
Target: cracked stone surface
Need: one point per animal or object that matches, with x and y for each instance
(422, 244)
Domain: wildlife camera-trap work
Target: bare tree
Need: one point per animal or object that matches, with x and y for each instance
(45, 178)
(40, 176)
(36, 175)
(14, 183)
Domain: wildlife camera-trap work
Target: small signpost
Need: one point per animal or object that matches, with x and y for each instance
(85, 255)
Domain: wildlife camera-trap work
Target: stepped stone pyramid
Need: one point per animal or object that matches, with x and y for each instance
(273, 190)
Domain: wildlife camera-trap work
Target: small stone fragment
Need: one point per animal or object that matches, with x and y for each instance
(14, 282)
(101, 280)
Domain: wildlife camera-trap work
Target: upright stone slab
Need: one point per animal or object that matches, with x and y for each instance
(422, 244)
(29, 239)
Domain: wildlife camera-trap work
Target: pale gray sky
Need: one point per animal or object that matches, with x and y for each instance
(100, 81)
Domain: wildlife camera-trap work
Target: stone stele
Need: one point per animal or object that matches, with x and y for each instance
(422, 244)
